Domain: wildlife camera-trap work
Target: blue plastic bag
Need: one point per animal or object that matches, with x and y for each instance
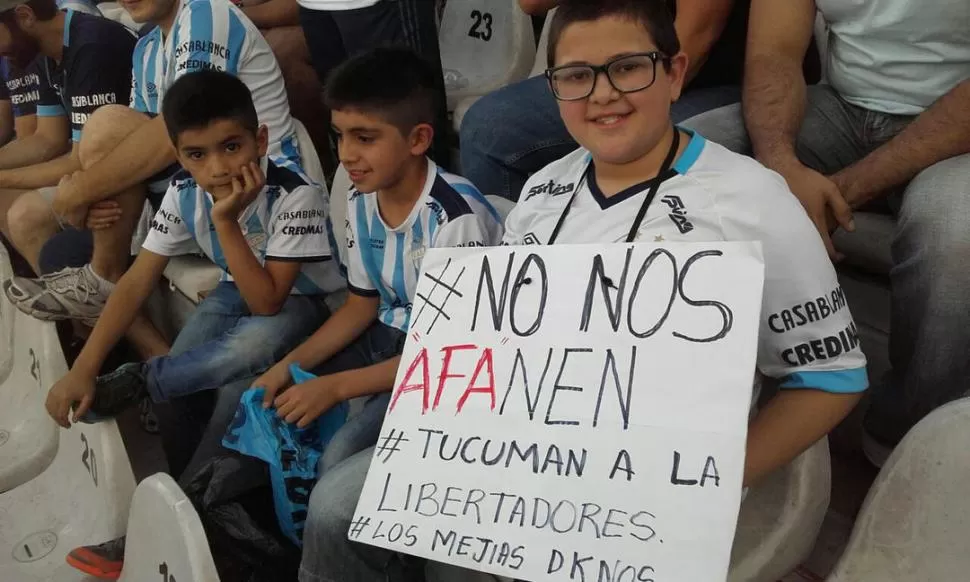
(292, 453)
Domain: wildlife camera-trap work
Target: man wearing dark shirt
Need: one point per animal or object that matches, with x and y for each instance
(85, 62)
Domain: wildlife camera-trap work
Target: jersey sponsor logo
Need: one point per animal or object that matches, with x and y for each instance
(551, 188)
(79, 118)
(152, 89)
(304, 230)
(203, 46)
(27, 80)
(531, 239)
(809, 312)
(437, 212)
(22, 98)
(678, 213)
(826, 348)
(471, 244)
(197, 65)
(96, 100)
(159, 227)
(417, 252)
(169, 217)
(301, 215)
(377, 244)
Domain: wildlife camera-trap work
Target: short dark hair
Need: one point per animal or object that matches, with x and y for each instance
(44, 10)
(653, 15)
(396, 84)
(197, 99)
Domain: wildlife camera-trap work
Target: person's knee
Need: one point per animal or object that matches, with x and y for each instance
(932, 221)
(30, 215)
(105, 129)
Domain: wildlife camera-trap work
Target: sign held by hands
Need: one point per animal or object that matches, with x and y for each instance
(571, 413)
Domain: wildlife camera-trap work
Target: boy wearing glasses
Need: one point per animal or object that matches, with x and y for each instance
(616, 66)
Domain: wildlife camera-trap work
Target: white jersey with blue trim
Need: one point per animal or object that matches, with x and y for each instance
(288, 221)
(385, 262)
(215, 34)
(807, 337)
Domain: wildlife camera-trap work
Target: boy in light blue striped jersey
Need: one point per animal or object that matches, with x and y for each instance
(401, 204)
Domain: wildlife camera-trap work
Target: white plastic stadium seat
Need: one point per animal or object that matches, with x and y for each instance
(781, 518)
(165, 536)
(542, 61)
(915, 522)
(28, 437)
(485, 45)
(81, 498)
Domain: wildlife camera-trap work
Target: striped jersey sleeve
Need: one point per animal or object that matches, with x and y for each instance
(358, 232)
(209, 35)
(169, 234)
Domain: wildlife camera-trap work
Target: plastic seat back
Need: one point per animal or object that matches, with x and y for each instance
(781, 518)
(915, 522)
(165, 536)
(485, 45)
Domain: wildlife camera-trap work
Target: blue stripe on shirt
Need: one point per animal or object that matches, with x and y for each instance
(148, 78)
(201, 29)
(836, 381)
(50, 111)
(236, 41)
(400, 287)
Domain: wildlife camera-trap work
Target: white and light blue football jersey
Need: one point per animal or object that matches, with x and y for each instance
(215, 34)
(385, 262)
(807, 337)
(288, 221)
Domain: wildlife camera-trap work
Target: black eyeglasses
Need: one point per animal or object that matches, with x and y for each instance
(626, 74)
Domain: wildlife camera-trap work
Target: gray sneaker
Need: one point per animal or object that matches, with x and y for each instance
(71, 293)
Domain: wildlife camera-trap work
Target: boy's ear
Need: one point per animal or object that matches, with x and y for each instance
(419, 142)
(262, 140)
(678, 74)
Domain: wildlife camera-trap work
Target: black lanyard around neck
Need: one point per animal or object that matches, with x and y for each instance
(651, 194)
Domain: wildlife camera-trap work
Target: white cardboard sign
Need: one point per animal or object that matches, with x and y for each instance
(571, 413)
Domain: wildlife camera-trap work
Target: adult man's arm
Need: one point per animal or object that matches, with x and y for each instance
(6, 121)
(24, 125)
(43, 174)
(779, 34)
(274, 13)
(699, 25)
(939, 133)
(51, 139)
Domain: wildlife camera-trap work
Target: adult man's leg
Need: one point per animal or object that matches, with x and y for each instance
(930, 336)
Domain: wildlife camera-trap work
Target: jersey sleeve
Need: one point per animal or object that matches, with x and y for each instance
(49, 102)
(138, 99)
(298, 227)
(358, 281)
(807, 338)
(169, 236)
(102, 77)
(204, 41)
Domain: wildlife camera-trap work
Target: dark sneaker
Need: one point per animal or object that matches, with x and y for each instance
(103, 561)
(116, 392)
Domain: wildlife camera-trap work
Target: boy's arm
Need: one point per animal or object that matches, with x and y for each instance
(131, 292)
(338, 332)
(807, 338)
(789, 424)
(305, 402)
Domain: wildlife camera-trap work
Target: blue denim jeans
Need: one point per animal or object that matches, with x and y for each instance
(514, 132)
(930, 276)
(327, 553)
(215, 357)
(223, 342)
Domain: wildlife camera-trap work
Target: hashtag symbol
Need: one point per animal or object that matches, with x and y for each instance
(451, 289)
(391, 444)
(358, 527)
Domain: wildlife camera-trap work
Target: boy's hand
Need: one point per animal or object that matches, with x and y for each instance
(72, 388)
(103, 215)
(304, 403)
(244, 191)
(275, 379)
